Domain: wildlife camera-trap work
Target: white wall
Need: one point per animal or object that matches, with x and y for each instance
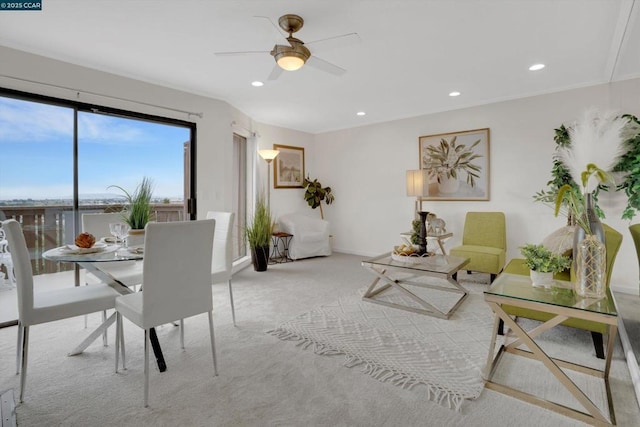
(366, 168)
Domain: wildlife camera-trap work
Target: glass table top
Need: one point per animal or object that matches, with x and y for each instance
(109, 254)
(444, 264)
(560, 294)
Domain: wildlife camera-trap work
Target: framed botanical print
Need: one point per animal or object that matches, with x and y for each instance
(288, 171)
(457, 165)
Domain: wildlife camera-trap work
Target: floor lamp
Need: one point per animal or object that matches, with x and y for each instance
(268, 155)
(418, 187)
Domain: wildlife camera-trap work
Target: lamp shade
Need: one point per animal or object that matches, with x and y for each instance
(418, 183)
(268, 155)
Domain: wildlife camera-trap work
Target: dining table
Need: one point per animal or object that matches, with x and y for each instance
(90, 259)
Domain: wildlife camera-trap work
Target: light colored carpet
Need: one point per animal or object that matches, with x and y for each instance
(263, 381)
(402, 347)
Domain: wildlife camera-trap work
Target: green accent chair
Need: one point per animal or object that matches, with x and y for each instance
(613, 240)
(484, 242)
(635, 235)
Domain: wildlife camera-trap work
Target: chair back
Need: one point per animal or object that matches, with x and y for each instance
(635, 235)
(176, 271)
(485, 229)
(222, 242)
(612, 242)
(98, 223)
(21, 267)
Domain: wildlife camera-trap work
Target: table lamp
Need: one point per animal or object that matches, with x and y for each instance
(418, 187)
(268, 156)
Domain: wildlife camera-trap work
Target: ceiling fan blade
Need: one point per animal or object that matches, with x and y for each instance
(334, 42)
(275, 73)
(247, 52)
(323, 65)
(280, 37)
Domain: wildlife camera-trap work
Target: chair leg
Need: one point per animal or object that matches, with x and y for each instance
(118, 321)
(19, 346)
(492, 277)
(233, 310)
(598, 344)
(501, 327)
(104, 334)
(213, 344)
(124, 364)
(25, 356)
(182, 334)
(146, 368)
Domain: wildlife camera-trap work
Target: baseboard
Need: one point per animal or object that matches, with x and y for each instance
(631, 290)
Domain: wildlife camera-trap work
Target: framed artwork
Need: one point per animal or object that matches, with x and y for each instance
(457, 165)
(288, 171)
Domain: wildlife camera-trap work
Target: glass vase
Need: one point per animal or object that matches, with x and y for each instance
(591, 264)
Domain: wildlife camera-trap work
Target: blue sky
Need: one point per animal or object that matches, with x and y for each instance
(36, 152)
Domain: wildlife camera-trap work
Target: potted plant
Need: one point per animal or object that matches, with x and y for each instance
(315, 193)
(138, 212)
(258, 233)
(543, 263)
(447, 161)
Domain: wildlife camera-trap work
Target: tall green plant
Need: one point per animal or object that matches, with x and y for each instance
(138, 212)
(258, 230)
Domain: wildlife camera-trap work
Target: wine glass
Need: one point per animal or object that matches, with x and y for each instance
(123, 232)
(114, 229)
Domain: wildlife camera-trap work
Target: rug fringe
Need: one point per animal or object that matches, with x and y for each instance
(380, 373)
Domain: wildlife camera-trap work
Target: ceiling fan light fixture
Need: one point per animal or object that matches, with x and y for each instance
(290, 61)
(291, 58)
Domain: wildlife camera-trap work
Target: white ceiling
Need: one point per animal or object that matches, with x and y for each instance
(411, 53)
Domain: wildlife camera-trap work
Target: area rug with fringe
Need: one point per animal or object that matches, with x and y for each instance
(401, 347)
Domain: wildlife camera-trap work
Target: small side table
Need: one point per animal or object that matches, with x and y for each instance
(280, 248)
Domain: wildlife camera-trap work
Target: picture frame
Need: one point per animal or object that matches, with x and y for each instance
(457, 165)
(288, 170)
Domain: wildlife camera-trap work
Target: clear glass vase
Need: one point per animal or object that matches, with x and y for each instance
(591, 265)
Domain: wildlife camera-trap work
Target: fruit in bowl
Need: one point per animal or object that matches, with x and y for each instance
(405, 250)
(85, 240)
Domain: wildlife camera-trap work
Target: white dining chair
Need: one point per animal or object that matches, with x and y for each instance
(176, 283)
(222, 262)
(47, 306)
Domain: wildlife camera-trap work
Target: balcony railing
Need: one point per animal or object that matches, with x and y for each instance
(49, 226)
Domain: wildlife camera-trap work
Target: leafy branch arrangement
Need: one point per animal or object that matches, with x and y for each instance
(628, 165)
(539, 258)
(315, 194)
(448, 159)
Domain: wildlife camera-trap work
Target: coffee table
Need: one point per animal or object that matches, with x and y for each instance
(560, 301)
(400, 275)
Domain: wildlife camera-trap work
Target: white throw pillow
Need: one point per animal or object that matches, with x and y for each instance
(561, 241)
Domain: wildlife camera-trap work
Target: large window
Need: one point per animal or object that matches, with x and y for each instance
(59, 159)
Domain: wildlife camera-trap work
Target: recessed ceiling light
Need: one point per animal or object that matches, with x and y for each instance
(536, 67)
(361, 113)
(257, 84)
(454, 93)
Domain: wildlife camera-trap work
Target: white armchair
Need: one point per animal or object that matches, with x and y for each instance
(310, 235)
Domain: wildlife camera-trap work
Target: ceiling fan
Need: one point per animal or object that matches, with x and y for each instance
(291, 53)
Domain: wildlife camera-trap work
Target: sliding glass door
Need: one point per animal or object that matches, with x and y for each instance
(59, 159)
